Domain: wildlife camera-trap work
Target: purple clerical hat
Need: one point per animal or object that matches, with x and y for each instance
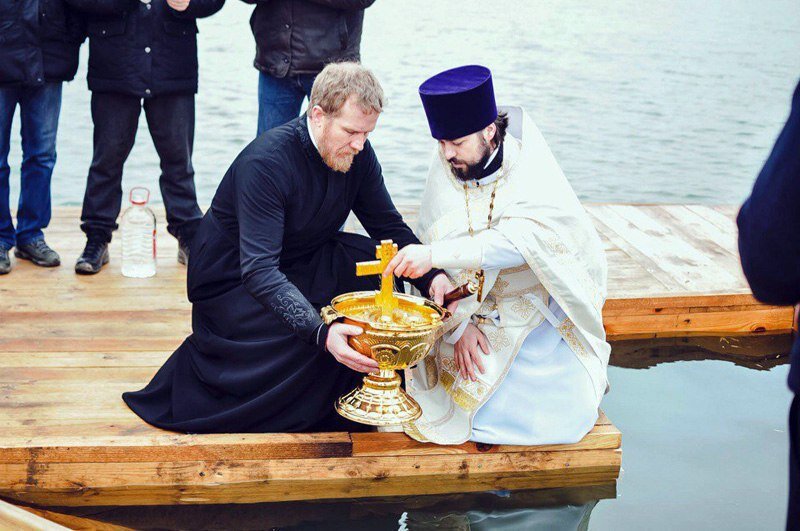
(459, 102)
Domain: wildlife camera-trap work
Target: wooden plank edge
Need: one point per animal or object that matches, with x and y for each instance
(279, 491)
(17, 518)
(73, 522)
(180, 447)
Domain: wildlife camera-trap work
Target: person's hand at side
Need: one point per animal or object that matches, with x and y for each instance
(178, 5)
(468, 351)
(336, 344)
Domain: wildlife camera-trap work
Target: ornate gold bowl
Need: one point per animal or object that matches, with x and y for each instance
(395, 342)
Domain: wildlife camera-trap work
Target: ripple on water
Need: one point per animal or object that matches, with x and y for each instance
(632, 111)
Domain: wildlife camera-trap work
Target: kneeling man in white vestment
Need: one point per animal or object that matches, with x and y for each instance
(523, 360)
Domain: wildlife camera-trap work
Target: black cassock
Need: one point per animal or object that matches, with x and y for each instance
(267, 256)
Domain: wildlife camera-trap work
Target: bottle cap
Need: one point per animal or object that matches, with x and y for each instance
(139, 195)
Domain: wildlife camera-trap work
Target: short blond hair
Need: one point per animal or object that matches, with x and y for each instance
(339, 81)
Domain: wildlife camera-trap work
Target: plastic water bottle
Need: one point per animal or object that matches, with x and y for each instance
(139, 236)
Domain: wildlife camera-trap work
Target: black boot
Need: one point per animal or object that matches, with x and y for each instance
(94, 256)
(38, 252)
(5, 261)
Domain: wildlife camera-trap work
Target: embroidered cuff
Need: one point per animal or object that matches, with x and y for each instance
(458, 253)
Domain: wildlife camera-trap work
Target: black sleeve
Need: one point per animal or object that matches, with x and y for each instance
(199, 9)
(102, 7)
(345, 5)
(261, 201)
(376, 212)
(769, 221)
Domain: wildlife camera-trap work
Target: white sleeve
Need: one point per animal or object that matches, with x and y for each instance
(457, 253)
(488, 249)
(498, 251)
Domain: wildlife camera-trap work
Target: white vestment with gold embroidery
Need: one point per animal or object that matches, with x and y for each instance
(555, 297)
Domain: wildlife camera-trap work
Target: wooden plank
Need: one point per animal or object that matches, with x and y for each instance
(165, 446)
(678, 303)
(36, 301)
(77, 375)
(383, 444)
(719, 246)
(97, 344)
(112, 324)
(672, 256)
(73, 522)
(13, 517)
(769, 320)
(158, 483)
(655, 280)
(266, 491)
(721, 216)
(112, 272)
(85, 360)
(42, 430)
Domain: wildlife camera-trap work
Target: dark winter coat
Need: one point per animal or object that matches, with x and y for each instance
(39, 42)
(302, 36)
(143, 49)
(769, 228)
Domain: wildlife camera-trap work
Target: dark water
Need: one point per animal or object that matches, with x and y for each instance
(704, 447)
(641, 100)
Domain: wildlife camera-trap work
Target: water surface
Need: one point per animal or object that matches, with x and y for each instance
(641, 100)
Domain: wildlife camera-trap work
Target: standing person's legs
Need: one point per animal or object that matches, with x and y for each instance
(8, 104)
(306, 83)
(115, 118)
(279, 101)
(39, 111)
(793, 517)
(171, 123)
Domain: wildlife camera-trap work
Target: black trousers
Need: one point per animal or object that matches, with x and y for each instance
(170, 120)
(793, 518)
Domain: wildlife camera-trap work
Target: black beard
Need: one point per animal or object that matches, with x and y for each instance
(473, 171)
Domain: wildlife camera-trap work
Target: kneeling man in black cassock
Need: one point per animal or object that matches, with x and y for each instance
(267, 256)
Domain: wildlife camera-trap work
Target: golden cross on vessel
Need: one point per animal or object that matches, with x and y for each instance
(385, 299)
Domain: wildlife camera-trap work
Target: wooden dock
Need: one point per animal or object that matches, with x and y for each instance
(71, 345)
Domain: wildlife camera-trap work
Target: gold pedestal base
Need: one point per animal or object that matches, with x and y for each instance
(379, 402)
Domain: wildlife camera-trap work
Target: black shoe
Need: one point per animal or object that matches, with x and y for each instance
(38, 252)
(5, 261)
(183, 252)
(93, 258)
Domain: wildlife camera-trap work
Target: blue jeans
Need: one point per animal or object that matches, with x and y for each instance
(280, 99)
(39, 110)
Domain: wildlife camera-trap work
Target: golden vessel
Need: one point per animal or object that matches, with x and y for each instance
(396, 342)
(398, 331)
